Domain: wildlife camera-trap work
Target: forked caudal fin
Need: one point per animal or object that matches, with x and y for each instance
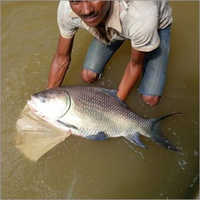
(156, 134)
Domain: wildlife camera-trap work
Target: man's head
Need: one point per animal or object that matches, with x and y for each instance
(92, 12)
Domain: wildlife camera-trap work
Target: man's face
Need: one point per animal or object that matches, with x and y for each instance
(92, 12)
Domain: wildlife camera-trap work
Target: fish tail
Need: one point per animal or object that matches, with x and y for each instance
(156, 133)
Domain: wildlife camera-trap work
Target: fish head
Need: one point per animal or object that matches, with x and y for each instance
(50, 104)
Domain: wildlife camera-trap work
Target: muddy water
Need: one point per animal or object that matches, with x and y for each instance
(78, 168)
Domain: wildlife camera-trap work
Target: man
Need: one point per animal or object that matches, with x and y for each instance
(145, 23)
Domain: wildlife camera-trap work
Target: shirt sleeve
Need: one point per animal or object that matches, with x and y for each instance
(143, 29)
(65, 22)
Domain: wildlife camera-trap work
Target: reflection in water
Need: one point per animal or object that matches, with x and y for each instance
(140, 154)
(78, 168)
(71, 187)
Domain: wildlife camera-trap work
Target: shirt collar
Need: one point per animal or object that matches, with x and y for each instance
(113, 20)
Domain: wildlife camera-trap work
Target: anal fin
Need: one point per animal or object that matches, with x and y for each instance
(67, 125)
(135, 139)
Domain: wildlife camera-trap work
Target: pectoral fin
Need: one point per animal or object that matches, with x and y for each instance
(98, 137)
(134, 138)
(67, 125)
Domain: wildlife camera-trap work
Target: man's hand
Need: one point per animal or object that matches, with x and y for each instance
(59, 67)
(132, 73)
(60, 63)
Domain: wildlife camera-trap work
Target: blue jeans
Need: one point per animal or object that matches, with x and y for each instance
(155, 64)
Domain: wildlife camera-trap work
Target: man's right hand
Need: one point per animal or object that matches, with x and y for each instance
(60, 62)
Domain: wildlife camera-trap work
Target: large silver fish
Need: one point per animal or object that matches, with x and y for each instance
(95, 113)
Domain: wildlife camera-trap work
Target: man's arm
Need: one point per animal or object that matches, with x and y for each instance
(132, 73)
(60, 62)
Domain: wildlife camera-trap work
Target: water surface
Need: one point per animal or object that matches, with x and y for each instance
(78, 168)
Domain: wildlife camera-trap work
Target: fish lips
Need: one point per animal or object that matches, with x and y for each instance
(32, 103)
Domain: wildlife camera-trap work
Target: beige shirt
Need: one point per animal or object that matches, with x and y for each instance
(137, 21)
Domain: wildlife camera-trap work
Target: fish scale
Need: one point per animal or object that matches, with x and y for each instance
(100, 107)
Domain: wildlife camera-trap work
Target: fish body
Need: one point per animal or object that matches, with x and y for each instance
(95, 113)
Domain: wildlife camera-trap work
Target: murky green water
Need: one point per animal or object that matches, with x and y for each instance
(78, 168)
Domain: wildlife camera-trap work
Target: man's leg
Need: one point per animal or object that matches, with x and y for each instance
(97, 56)
(155, 67)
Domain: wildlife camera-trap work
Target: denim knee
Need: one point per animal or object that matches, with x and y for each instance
(155, 67)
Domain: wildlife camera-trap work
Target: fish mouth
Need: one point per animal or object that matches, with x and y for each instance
(32, 103)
